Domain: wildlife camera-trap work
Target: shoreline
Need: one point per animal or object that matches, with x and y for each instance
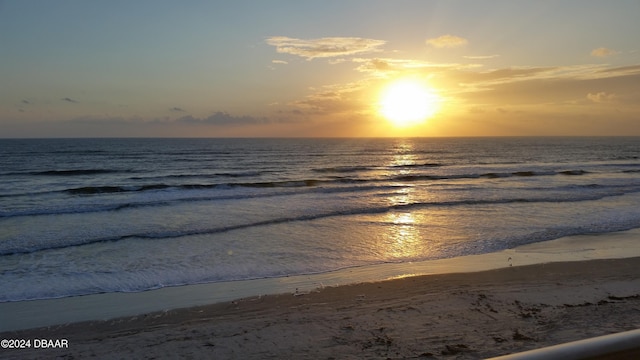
(462, 315)
(31, 314)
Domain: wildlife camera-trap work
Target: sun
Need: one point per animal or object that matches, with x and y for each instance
(408, 102)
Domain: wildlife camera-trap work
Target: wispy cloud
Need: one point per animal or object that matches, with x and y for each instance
(335, 99)
(376, 66)
(25, 101)
(505, 74)
(603, 52)
(478, 80)
(69, 100)
(551, 88)
(447, 41)
(177, 109)
(279, 62)
(383, 67)
(481, 57)
(324, 47)
(601, 97)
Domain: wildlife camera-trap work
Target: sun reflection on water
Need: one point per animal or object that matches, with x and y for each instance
(402, 235)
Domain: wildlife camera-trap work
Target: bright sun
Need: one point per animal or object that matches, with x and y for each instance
(408, 102)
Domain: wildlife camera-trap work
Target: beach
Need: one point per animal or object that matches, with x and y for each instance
(361, 179)
(315, 248)
(106, 216)
(319, 180)
(460, 315)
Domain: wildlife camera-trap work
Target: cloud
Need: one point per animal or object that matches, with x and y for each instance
(447, 41)
(177, 109)
(383, 67)
(480, 57)
(26, 101)
(601, 97)
(334, 99)
(603, 52)
(68, 100)
(337, 61)
(375, 65)
(550, 87)
(324, 47)
(514, 73)
(104, 120)
(620, 71)
(223, 118)
(488, 79)
(279, 62)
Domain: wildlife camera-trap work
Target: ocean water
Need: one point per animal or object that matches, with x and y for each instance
(85, 216)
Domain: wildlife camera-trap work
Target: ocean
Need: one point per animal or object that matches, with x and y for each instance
(87, 216)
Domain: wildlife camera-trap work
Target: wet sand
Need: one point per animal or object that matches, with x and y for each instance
(461, 315)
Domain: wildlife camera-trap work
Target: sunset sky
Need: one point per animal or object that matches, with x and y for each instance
(317, 68)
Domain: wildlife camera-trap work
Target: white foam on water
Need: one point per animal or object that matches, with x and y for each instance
(30, 314)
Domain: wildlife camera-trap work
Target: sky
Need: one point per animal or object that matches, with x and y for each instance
(121, 68)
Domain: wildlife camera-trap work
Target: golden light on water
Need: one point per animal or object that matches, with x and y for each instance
(408, 102)
(403, 219)
(408, 231)
(402, 233)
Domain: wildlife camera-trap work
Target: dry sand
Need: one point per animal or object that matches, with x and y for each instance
(448, 316)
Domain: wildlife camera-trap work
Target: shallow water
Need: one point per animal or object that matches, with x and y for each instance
(87, 216)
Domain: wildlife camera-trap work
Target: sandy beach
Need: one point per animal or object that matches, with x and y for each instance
(462, 315)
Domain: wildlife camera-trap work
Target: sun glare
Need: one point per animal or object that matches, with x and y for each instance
(408, 102)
